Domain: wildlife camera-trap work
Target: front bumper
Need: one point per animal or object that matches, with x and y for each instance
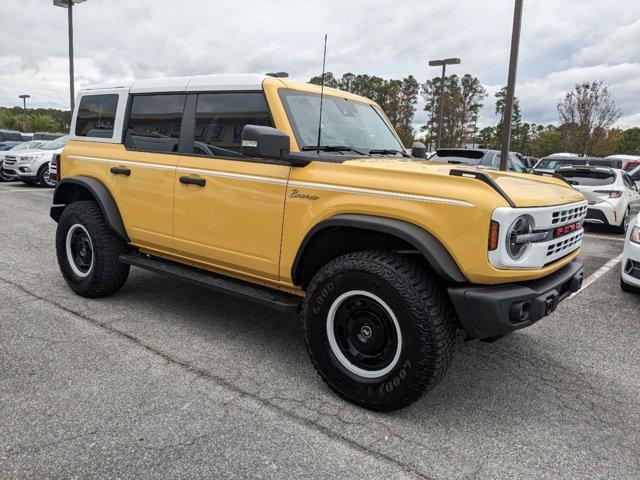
(494, 311)
(631, 264)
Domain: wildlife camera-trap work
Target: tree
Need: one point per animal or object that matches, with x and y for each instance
(587, 113)
(41, 123)
(629, 143)
(464, 96)
(548, 141)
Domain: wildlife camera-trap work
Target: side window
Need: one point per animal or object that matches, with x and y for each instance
(630, 183)
(220, 118)
(96, 116)
(491, 160)
(517, 164)
(154, 122)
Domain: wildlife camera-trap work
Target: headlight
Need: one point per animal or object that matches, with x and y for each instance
(518, 236)
(29, 158)
(635, 235)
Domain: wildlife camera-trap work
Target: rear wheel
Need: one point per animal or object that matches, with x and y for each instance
(88, 251)
(379, 329)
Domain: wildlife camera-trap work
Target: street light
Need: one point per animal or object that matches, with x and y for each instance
(24, 104)
(443, 64)
(68, 4)
(511, 85)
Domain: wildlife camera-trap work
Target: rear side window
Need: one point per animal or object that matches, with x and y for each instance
(221, 117)
(552, 163)
(154, 123)
(96, 116)
(589, 178)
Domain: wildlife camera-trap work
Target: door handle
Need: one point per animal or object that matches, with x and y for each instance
(200, 182)
(120, 171)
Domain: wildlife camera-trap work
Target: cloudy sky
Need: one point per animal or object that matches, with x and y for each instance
(563, 42)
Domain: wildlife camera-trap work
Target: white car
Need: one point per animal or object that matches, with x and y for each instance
(630, 279)
(32, 166)
(30, 145)
(613, 196)
(635, 176)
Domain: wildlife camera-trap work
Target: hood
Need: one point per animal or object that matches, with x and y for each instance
(29, 152)
(525, 190)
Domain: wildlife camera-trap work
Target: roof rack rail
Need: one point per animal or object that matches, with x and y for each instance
(483, 177)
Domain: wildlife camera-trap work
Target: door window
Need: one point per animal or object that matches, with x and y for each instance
(154, 123)
(221, 117)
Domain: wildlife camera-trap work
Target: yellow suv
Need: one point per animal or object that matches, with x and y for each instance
(234, 183)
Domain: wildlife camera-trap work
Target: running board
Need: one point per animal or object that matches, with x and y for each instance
(262, 295)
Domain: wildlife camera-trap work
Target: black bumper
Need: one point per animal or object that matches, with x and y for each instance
(493, 311)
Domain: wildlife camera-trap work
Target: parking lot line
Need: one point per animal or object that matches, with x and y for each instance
(20, 190)
(600, 272)
(604, 237)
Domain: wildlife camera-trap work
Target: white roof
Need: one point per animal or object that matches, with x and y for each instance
(189, 84)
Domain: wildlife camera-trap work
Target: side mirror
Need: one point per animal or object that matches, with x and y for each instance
(418, 150)
(264, 142)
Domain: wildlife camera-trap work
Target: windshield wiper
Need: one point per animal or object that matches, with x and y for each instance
(332, 148)
(388, 151)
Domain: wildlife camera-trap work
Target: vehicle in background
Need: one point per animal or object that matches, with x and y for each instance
(635, 176)
(5, 176)
(612, 195)
(548, 165)
(629, 162)
(32, 166)
(563, 154)
(26, 136)
(10, 135)
(630, 275)
(477, 157)
(47, 135)
(8, 145)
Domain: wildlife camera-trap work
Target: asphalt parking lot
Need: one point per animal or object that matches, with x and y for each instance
(166, 379)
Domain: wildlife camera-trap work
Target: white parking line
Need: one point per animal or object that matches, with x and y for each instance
(605, 237)
(19, 190)
(599, 273)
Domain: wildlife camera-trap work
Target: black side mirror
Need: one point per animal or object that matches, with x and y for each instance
(264, 142)
(418, 150)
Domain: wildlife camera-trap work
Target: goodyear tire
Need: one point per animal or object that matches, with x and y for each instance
(88, 251)
(379, 328)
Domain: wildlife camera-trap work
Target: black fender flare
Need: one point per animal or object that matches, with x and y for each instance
(424, 242)
(72, 189)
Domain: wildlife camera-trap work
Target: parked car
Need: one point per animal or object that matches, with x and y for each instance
(32, 166)
(477, 157)
(630, 275)
(10, 135)
(629, 162)
(386, 258)
(8, 145)
(548, 165)
(635, 176)
(612, 195)
(5, 175)
(47, 135)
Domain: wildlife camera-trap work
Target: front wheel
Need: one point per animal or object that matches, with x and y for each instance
(44, 177)
(88, 251)
(379, 328)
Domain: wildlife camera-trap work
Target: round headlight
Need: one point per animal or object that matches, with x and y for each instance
(521, 226)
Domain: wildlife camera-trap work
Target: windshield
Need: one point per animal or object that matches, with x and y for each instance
(28, 145)
(589, 178)
(552, 163)
(55, 144)
(344, 122)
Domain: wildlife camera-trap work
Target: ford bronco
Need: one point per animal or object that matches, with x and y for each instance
(226, 181)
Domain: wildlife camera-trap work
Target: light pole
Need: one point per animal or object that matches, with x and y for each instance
(68, 4)
(443, 64)
(511, 85)
(24, 106)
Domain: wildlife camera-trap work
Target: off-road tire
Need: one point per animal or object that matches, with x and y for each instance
(41, 176)
(106, 275)
(424, 312)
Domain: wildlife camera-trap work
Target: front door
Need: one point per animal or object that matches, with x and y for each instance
(228, 210)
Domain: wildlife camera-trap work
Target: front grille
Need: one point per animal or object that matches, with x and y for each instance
(564, 246)
(566, 215)
(594, 214)
(10, 160)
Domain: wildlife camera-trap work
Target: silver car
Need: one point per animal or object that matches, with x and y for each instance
(32, 166)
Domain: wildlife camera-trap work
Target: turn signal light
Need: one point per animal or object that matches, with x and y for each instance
(494, 234)
(635, 235)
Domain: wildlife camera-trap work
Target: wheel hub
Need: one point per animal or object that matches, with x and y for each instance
(79, 250)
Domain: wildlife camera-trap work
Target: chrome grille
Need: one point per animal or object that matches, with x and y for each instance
(9, 160)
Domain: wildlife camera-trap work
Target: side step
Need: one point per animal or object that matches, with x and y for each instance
(270, 298)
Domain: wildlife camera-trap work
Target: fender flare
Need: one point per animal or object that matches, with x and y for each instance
(72, 189)
(429, 246)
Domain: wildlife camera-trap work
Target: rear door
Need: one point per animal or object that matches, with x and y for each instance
(229, 209)
(632, 194)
